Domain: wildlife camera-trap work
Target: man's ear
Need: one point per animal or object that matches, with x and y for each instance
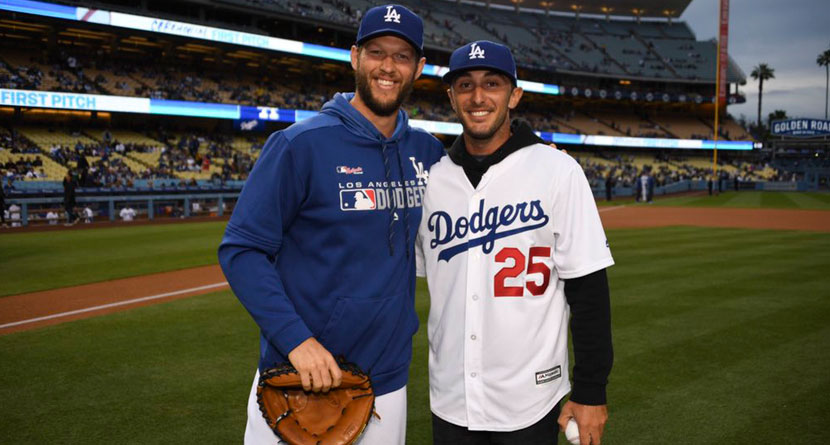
(420, 68)
(515, 97)
(452, 99)
(355, 54)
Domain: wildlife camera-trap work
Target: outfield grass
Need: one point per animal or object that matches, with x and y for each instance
(721, 336)
(745, 199)
(47, 260)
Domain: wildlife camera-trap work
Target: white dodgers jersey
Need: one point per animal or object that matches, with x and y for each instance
(494, 257)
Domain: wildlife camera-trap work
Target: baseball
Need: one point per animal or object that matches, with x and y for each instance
(572, 432)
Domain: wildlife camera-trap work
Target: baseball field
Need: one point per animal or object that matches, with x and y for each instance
(721, 330)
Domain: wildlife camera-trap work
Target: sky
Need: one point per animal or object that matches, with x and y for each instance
(786, 35)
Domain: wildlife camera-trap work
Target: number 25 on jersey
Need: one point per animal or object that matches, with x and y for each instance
(514, 271)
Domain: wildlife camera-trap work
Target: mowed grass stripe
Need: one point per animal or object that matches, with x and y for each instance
(689, 287)
(48, 260)
(778, 200)
(751, 199)
(809, 200)
(721, 383)
(707, 254)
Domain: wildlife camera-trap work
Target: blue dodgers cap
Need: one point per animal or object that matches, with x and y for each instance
(392, 20)
(482, 54)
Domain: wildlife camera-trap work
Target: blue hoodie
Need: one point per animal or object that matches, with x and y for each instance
(321, 242)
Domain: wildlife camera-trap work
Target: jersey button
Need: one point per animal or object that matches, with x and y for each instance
(473, 337)
(475, 297)
(473, 375)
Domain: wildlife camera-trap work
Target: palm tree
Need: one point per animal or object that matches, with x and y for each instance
(761, 73)
(823, 59)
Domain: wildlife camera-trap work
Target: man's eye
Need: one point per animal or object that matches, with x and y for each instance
(402, 57)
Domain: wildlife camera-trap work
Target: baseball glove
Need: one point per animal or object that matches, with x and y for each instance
(299, 417)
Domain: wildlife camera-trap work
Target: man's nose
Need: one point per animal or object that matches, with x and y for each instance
(478, 95)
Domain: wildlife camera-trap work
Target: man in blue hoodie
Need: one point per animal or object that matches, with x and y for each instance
(319, 248)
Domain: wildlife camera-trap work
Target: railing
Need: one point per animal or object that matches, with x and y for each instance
(147, 207)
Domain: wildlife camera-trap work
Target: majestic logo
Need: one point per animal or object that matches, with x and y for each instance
(391, 15)
(445, 230)
(358, 199)
(476, 52)
(349, 170)
(548, 375)
(420, 172)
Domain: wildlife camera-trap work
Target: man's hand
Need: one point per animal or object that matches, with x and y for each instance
(590, 419)
(317, 367)
(560, 149)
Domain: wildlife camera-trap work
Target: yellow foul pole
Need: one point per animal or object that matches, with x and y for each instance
(721, 65)
(717, 98)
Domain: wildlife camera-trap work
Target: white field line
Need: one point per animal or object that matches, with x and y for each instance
(608, 209)
(120, 303)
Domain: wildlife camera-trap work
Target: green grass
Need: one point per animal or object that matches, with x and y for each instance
(752, 200)
(171, 373)
(47, 260)
(721, 336)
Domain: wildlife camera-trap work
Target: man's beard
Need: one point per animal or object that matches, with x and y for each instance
(376, 106)
(487, 133)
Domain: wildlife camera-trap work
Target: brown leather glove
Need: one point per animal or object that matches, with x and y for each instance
(337, 417)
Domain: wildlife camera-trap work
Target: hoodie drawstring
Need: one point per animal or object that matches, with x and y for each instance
(390, 190)
(391, 230)
(405, 206)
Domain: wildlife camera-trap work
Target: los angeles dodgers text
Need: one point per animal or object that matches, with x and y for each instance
(410, 196)
(378, 184)
(446, 230)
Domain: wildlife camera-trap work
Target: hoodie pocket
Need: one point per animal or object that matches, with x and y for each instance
(370, 332)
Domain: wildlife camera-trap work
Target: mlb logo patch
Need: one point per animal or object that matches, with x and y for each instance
(358, 199)
(349, 170)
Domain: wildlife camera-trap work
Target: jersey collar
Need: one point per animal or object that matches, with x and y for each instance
(521, 135)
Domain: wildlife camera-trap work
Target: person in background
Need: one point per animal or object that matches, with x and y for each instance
(69, 198)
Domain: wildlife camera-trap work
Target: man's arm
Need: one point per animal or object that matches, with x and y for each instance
(267, 206)
(589, 300)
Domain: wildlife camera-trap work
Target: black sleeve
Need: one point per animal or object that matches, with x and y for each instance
(590, 304)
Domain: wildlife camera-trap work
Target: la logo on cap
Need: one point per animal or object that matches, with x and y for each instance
(476, 52)
(391, 15)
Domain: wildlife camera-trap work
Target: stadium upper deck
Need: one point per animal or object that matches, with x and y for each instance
(648, 49)
(663, 51)
(91, 58)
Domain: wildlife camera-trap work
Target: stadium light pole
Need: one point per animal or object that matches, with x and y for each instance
(824, 60)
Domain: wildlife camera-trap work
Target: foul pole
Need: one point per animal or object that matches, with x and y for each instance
(721, 66)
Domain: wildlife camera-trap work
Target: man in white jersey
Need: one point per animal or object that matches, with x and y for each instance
(513, 248)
